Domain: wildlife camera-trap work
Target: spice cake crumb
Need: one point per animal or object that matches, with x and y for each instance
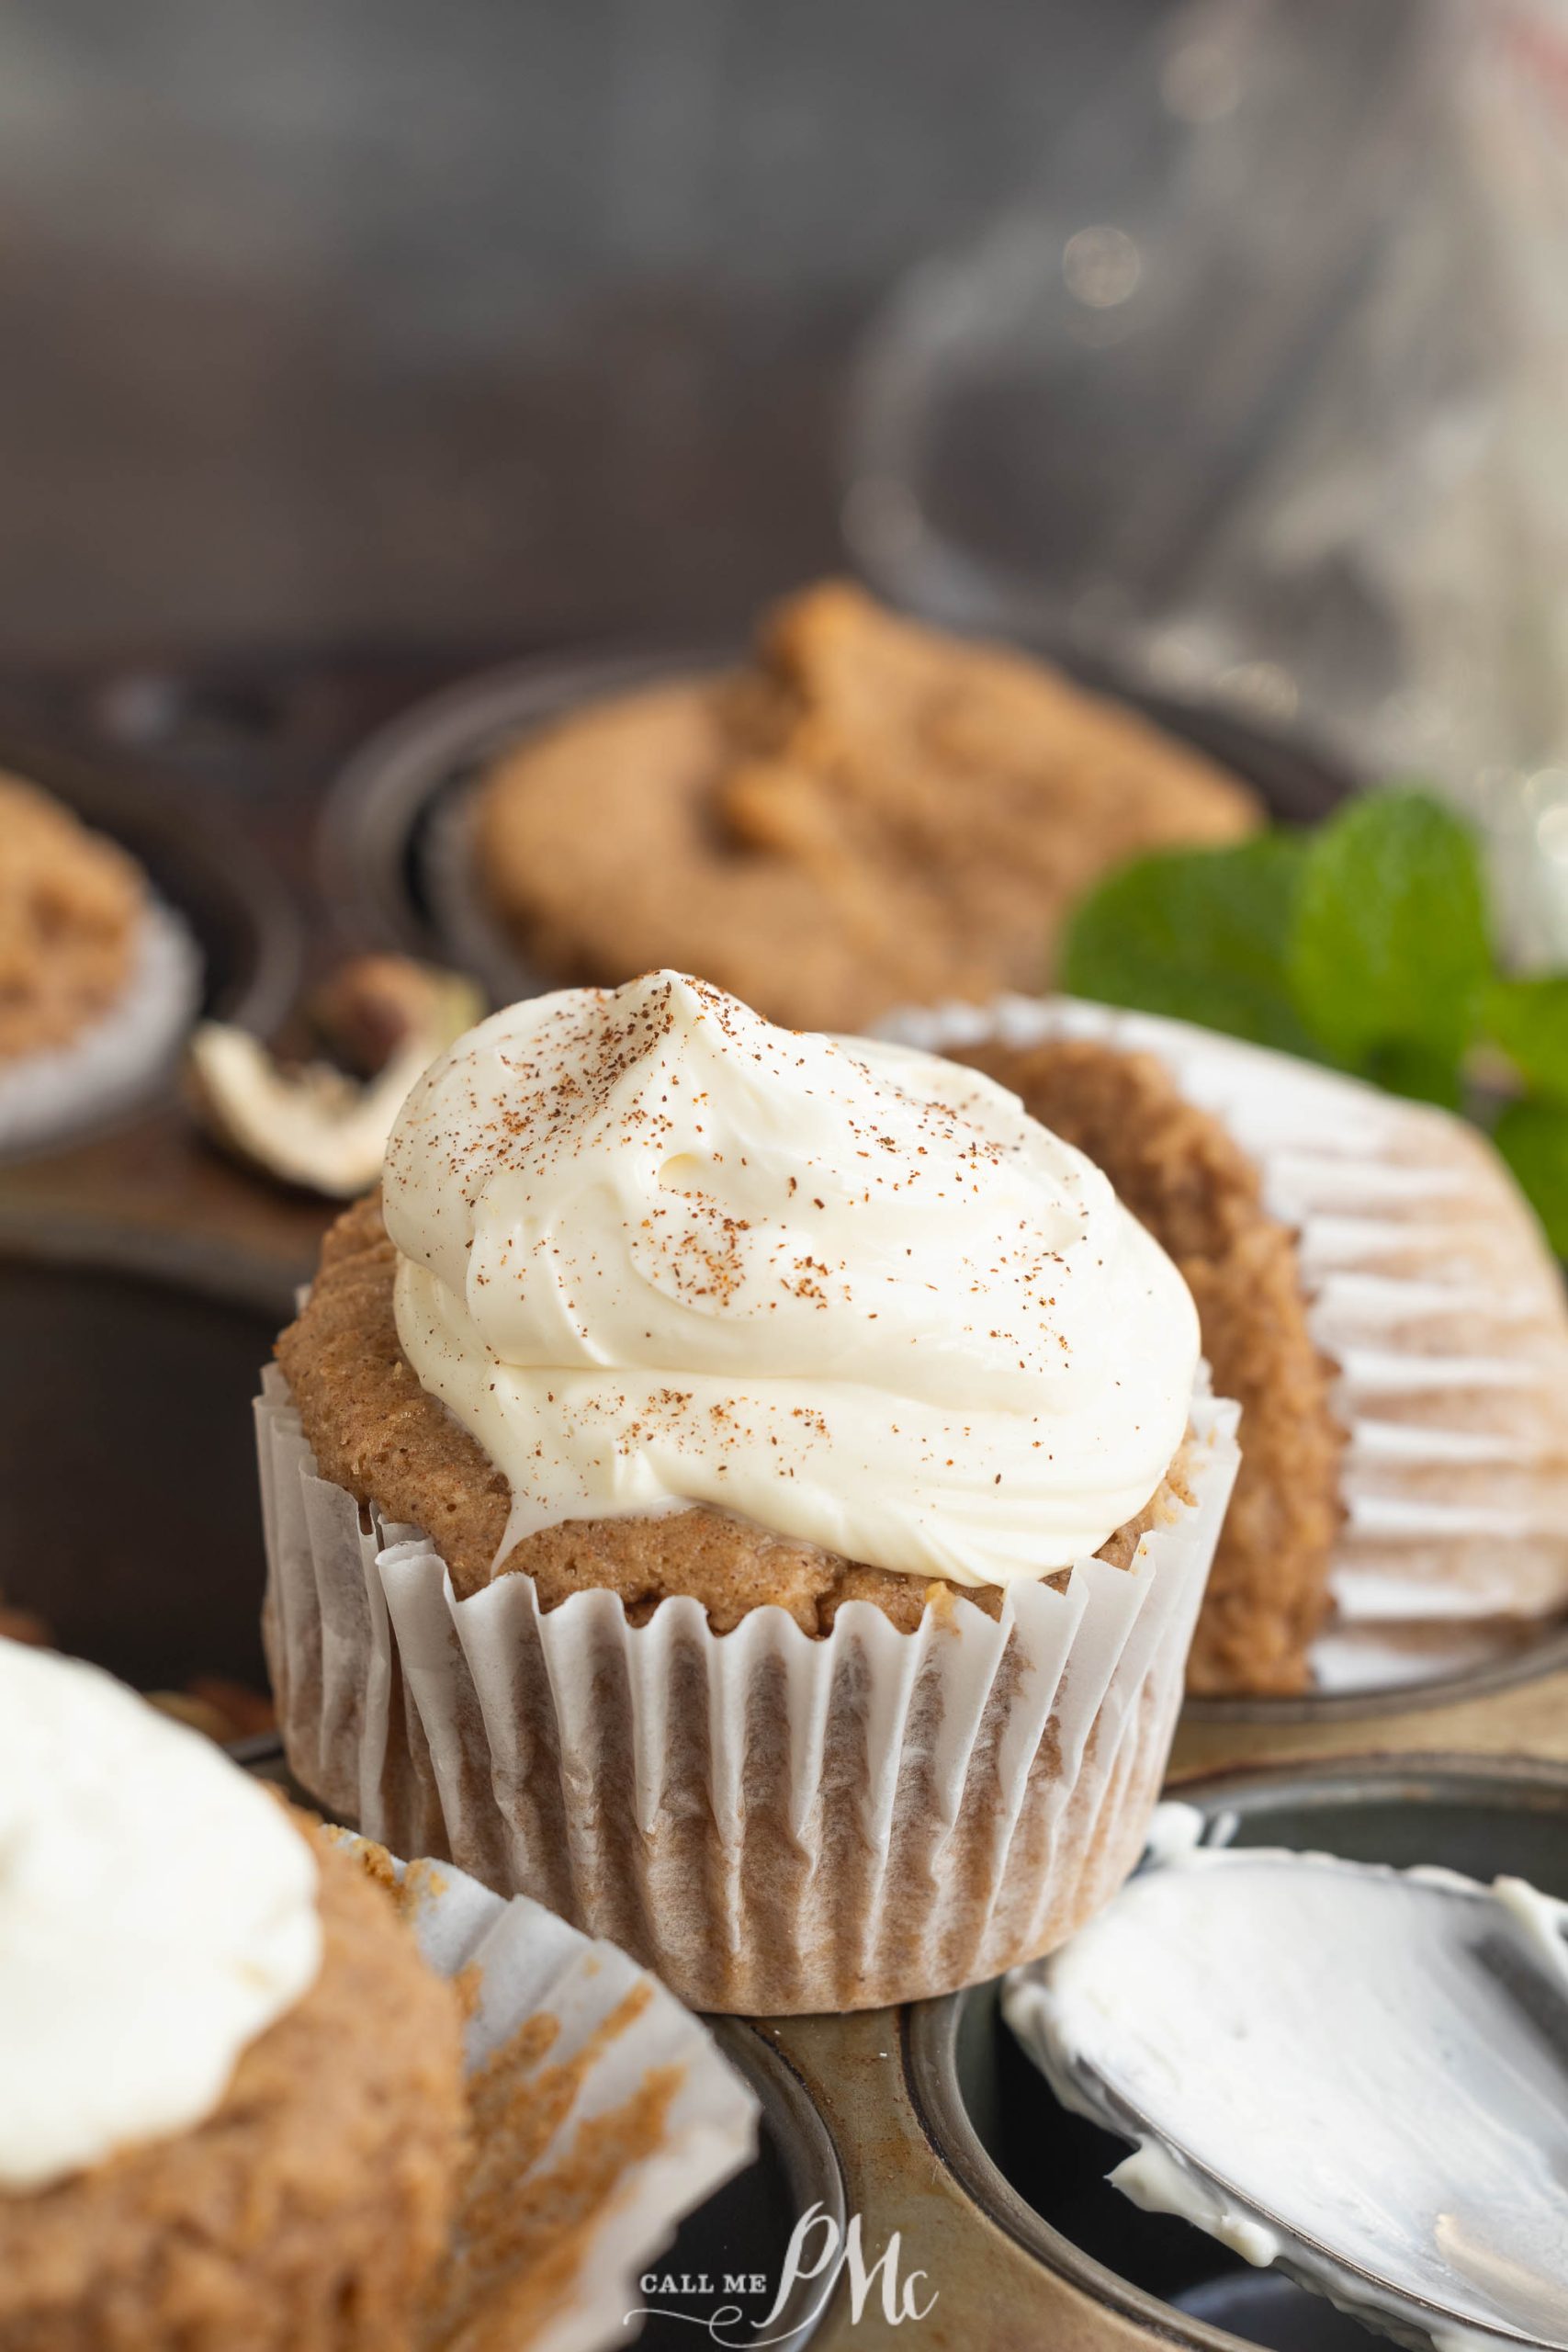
(306, 2213)
(873, 813)
(70, 906)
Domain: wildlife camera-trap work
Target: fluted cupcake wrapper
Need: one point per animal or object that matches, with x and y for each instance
(117, 1060)
(1431, 1287)
(601, 2112)
(774, 1823)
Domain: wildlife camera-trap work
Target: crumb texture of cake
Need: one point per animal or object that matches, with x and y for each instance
(871, 813)
(376, 1433)
(71, 904)
(306, 2213)
(1175, 1166)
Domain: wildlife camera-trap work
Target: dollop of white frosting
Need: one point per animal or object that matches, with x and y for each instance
(157, 1913)
(655, 1251)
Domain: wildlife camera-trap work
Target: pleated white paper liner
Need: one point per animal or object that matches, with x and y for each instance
(119, 1059)
(774, 1824)
(602, 2113)
(1431, 1287)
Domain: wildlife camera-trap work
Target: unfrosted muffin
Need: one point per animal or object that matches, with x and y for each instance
(70, 905)
(1378, 1295)
(99, 979)
(233, 2106)
(871, 813)
(749, 1490)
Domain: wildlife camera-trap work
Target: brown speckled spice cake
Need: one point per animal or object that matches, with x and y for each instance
(306, 2213)
(871, 813)
(70, 906)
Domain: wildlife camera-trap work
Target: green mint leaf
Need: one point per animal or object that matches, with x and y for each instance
(1417, 1070)
(1533, 1139)
(1530, 1019)
(1390, 956)
(1199, 935)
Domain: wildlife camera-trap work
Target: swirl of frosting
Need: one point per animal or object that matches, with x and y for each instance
(157, 1913)
(654, 1251)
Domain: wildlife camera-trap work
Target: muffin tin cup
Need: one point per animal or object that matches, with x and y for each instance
(602, 2113)
(1431, 1289)
(1038, 2173)
(394, 837)
(393, 844)
(775, 1824)
(475, 938)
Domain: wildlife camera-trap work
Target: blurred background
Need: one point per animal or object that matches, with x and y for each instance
(371, 319)
(1221, 341)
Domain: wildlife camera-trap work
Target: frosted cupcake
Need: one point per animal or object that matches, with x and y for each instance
(749, 1490)
(1378, 1296)
(232, 2092)
(97, 980)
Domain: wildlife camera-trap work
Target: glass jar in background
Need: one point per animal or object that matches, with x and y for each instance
(1257, 397)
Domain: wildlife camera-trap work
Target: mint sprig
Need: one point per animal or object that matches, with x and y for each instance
(1388, 956)
(1202, 936)
(1366, 945)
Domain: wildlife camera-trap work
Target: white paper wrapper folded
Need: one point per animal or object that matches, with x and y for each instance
(119, 1059)
(1429, 1285)
(774, 1823)
(602, 2113)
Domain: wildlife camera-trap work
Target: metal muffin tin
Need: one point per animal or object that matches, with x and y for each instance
(1038, 2172)
(386, 847)
(141, 1281)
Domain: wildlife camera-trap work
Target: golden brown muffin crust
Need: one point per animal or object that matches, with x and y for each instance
(377, 1432)
(306, 2213)
(1177, 1169)
(874, 813)
(70, 904)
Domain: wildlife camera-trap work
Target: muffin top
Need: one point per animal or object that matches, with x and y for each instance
(871, 814)
(654, 1252)
(70, 906)
(158, 1912)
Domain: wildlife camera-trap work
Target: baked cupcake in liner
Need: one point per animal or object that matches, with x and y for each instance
(772, 1822)
(269, 2090)
(823, 1481)
(1429, 1290)
(234, 2113)
(601, 2113)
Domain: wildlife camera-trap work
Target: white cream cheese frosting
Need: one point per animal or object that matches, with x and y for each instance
(1356, 2072)
(157, 1913)
(655, 1251)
